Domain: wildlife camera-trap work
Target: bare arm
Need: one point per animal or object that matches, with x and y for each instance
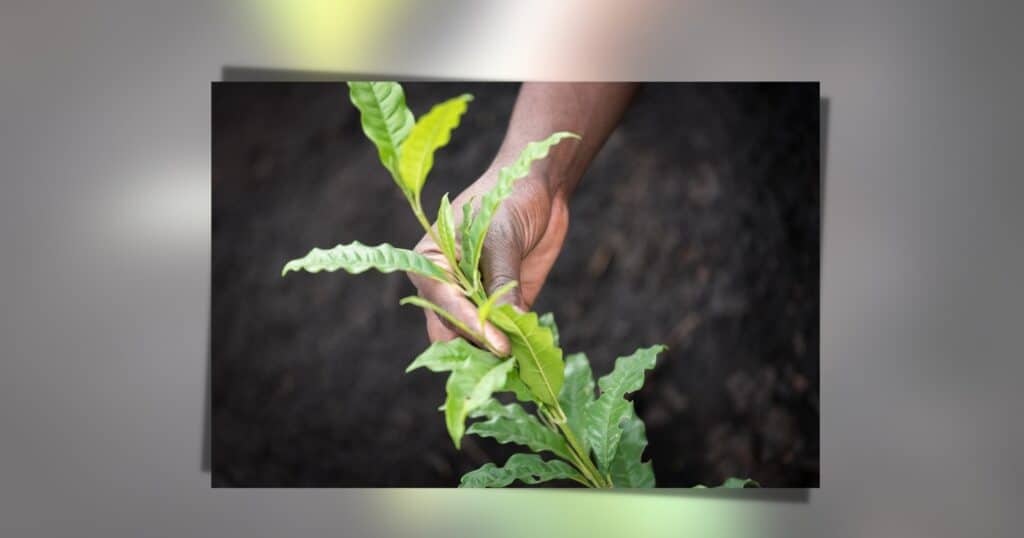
(591, 110)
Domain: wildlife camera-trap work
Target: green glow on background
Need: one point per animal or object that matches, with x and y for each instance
(563, 512)
(329, 34)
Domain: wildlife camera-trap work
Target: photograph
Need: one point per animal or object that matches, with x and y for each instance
(515, 284)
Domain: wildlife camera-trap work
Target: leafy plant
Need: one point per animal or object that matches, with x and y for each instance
(594, 438)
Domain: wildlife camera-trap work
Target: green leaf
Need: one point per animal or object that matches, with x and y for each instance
(431, 132)
(484, 311)
(475, 229)
(540, 360)
(734, 483)
(515, 385)
(386, 120)
(467, 218)
(470, 386)
(577, 393)
(447, 356)
(605, 415)
(527, 468)
(446, 229)
(416, 300)
(356, 258)
(512, 424)
(627, 469)
(548, 320)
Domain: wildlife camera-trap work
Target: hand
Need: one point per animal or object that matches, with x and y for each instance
(524, 240)
(528, 230)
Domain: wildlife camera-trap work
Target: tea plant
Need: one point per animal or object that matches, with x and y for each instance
(594, 438)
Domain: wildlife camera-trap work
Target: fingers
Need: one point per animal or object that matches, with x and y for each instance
(500, 264)
(436, 330)
(451, 299)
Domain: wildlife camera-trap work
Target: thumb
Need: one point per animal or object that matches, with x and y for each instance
(500, 263)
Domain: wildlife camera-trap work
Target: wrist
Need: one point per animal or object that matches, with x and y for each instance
(540, 179)
(549, 174)
(557, 172)
(558, 185)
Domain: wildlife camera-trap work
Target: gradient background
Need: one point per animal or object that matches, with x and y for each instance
(105, 218)
(697, 226)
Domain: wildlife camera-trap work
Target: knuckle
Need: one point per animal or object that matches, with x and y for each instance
(498, 280)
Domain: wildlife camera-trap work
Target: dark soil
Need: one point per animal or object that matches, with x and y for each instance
(697, 226)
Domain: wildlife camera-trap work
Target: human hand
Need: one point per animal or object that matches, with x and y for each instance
(524, 239)
(529, 227)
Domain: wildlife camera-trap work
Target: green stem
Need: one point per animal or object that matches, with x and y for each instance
(472, 289)
(423, 303)
(477, 294)
(585, 464)
(580, 453)
(592, 481)
(547, 422)
(461, 279)
(584, 482)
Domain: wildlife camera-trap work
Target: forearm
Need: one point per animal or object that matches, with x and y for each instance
(591, 110)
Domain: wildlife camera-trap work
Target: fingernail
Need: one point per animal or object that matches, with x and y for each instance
(496, 339)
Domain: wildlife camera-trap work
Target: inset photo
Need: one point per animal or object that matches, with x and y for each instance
(538, 284)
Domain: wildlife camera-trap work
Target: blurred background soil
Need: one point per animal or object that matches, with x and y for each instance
(697, 226)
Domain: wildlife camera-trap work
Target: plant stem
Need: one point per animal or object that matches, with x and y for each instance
(478, 295)
(581, 454)
(584, 482)
(461, 279)
(592, 481)
(423, 303)
(547, 422)
(584, 462)
(581, 459)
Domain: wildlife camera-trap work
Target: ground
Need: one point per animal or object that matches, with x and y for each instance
(697, 226)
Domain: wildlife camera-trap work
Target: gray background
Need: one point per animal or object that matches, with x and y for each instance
(104, 223)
